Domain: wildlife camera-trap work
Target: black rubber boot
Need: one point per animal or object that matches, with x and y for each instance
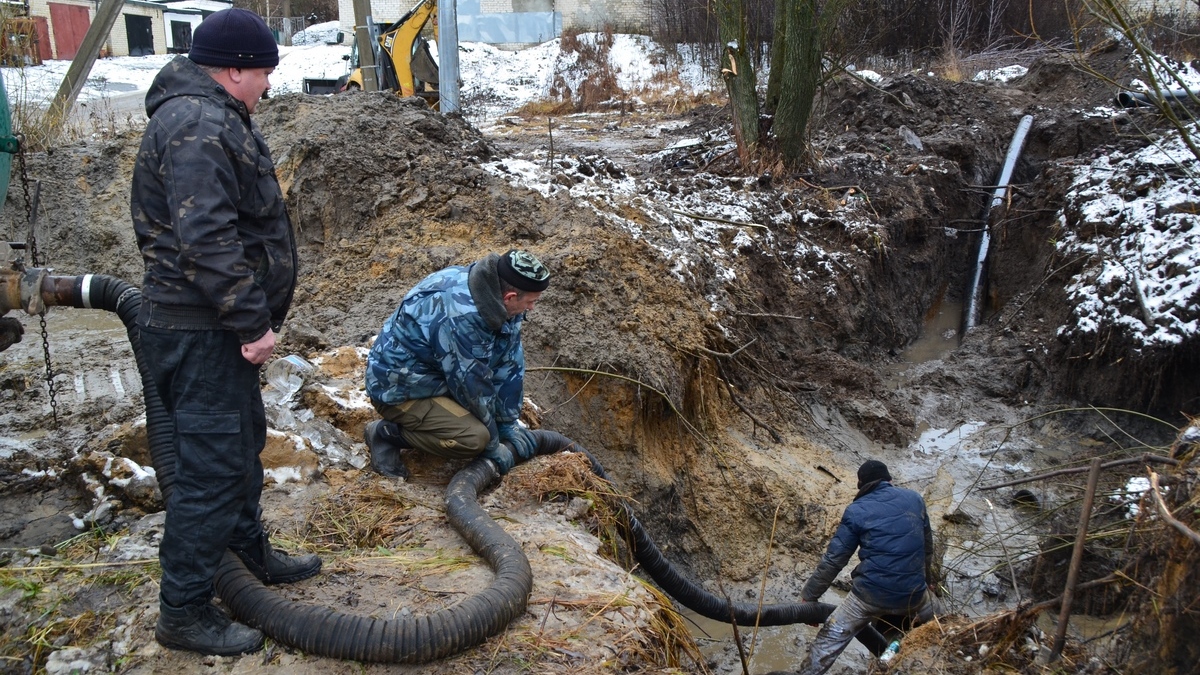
(386, 443)
(271, 566)
(204, 629)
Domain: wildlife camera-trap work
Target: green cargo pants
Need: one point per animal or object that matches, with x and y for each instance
(439, 426)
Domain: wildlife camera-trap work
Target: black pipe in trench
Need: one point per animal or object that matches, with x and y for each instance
(689, 594)
(325, 632)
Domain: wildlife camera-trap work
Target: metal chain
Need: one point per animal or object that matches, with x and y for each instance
(34, 256)
(35, 261)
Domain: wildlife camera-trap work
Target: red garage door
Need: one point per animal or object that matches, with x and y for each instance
(70, 24)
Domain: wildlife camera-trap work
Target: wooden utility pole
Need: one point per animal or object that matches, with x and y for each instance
(81, 65)
(286, 23)
(364, 34)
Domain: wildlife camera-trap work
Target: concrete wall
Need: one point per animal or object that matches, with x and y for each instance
(118, 41)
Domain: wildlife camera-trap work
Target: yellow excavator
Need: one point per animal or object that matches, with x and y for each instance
(405, 64)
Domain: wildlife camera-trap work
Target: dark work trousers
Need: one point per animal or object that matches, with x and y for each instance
(213, 395)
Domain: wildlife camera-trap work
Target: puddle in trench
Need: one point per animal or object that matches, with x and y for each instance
(781, 648)
(940, 335)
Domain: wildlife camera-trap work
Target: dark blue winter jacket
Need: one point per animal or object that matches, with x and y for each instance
(890, 528)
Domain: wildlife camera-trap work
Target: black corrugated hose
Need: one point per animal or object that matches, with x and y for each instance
(417, 639)
(322, 631)
(318, 630)
(691, 595)
(99, 291)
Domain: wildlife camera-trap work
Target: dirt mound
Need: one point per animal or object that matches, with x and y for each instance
(383, 192)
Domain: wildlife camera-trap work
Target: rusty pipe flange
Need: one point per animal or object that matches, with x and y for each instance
(36, 288)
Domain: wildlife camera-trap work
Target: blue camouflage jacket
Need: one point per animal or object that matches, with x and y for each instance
(208, 210)
(890, 528)
(451, 336)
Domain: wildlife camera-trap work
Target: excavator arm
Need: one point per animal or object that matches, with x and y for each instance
(406, 66)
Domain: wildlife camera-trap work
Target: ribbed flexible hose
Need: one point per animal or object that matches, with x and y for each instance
(419, 639)
(99, 291)
(691, 595)
(321, 631)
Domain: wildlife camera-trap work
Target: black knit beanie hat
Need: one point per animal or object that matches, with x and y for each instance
(872, 470)
(234, 38)
(523, 271)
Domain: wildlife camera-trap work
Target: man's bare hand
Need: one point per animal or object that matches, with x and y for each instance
(259, 351)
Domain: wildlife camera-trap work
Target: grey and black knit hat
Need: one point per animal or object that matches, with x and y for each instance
(523, 271)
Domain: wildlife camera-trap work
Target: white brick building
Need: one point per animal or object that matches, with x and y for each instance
(628, 16)
(139, 29)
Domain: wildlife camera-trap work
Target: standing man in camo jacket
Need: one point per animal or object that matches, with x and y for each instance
(220, 271)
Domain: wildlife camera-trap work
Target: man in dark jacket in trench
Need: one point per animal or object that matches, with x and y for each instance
(220, 271)
(890, 528)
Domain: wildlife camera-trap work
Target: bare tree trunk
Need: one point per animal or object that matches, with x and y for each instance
(778, 54)
(801, 70)
(739, 75)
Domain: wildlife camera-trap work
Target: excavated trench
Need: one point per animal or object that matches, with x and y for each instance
(744, 401)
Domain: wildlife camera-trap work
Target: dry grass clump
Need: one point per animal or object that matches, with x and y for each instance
(598, 87)
(649, 629)
(68, 595)
(360, 515)
(570, 476)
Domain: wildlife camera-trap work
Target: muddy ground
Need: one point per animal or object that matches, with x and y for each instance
(729, 379)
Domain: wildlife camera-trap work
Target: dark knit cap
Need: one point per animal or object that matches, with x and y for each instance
(234, 38)
(523, 271)
(872, 470)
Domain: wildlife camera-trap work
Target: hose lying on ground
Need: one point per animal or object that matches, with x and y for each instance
(691, 595)
(417, 639)
(321, 631)
(318, 630)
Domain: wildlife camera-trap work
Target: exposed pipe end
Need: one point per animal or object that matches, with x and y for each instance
(1128, 99)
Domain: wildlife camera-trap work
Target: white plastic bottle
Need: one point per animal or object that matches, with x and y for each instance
(891, 652)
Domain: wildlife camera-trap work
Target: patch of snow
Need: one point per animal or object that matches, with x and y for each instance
(1169, 73)
(284, 474)
(1131, 220)
(1004, 74)
(319, 34)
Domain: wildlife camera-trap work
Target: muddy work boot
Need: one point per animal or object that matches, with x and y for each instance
(386, 443)
(204, 629)
(272, 566)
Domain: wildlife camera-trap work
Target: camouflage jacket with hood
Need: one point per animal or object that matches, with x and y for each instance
(451, 336)
(208, 211)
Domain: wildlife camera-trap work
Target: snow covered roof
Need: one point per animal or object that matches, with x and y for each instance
(198, 5)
